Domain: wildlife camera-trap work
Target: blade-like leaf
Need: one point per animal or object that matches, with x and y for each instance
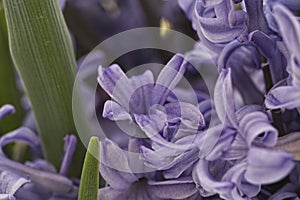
(9, 92)
(41, 49)
(89, 184)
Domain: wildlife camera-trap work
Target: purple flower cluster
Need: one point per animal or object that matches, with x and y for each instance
(36, 179)
(168, 142)
(232, 146)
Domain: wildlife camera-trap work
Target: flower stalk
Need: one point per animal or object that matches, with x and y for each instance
(276, 114)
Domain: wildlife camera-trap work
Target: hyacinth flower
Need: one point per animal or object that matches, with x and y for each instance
(130, 94)
(124, 184)
(237, 27)
(216, 22)
(242, 160)
(170, 130)
(287, 96)
(35, 179)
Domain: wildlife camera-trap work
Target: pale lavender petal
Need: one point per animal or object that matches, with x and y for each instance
(160, 158)
(114, 166)
(115, 111)
(204, 179)
(223, 144)
(41, 165)
(109, 193)
(49, 181)
(135, 159)
(236, 175)
(267, 166)
(7, 197)
(152, 125)
(115, 82)
(223, 98)
(189, 115)
(283, 97)
(136, 191)
(207, 3)
(6, 110)
(289, 27)
(255, 123)
(143, 88)
(168, 78)
(181, 164)
(181, 188)
(10, 183)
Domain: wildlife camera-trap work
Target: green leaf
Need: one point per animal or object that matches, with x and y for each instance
(89, 183)
(42, 52)
(9, 92)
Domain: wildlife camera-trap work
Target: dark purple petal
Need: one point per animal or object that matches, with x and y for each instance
(269, 49)
(257, 20)
(69, 149)
(267, 166)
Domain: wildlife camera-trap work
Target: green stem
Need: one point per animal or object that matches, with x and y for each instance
(41, 48)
